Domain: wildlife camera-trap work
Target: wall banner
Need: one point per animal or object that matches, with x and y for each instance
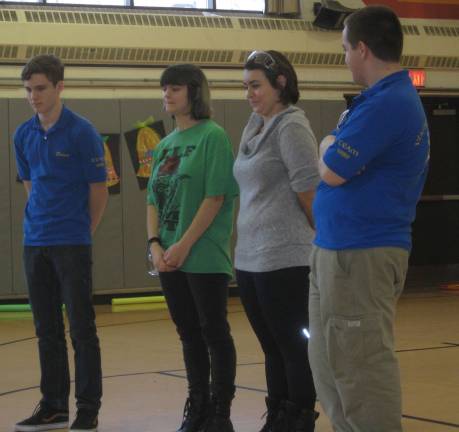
(141, 143)
(112, 161)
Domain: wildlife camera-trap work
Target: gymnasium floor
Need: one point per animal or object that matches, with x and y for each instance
(144, 380)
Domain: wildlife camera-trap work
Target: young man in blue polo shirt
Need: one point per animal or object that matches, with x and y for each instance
(373, 168)
(60, 160)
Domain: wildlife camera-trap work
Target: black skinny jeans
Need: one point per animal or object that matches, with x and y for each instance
(276, 303)
(197, 304)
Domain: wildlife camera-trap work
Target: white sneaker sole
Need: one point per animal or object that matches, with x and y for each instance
(52, 426)
(83, 430)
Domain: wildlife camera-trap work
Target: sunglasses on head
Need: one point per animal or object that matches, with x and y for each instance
(262, 58)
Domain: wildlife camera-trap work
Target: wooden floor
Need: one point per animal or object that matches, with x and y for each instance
(144, 380)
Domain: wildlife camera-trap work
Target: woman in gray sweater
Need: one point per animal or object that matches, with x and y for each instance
(276, 169)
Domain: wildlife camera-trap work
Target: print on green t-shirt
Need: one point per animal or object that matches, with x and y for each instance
(166, 187)
(189, 166)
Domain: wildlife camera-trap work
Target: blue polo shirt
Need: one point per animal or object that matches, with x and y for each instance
(382, 150)
(60, 163)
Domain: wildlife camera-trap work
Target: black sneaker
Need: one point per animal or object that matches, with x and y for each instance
(85, 421)
(44, 419)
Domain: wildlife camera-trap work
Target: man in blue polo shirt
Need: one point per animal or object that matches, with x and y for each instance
(60, 160)
(373, 168)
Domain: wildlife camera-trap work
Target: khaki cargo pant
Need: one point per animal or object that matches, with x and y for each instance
(352, 299)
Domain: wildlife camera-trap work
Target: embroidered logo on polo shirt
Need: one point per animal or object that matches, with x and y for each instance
(422, 133)
(60, 154)
(345, 150)
(99, 162)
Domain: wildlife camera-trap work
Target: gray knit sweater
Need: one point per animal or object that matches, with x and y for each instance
(271, 167)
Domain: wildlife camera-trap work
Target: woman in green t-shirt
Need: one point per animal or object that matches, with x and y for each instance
(189, 222)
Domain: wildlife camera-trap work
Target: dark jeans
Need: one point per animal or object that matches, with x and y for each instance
(276, 303)
(197, 304)
(56, 275)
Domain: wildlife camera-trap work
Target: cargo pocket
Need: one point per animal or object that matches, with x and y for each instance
(353, 341)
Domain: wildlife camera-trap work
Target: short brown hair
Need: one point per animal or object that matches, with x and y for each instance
(46, 64)
(379, 28)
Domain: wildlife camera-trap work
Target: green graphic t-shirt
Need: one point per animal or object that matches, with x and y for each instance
(191, 165)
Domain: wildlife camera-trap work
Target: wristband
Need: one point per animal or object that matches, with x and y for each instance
(154, 240)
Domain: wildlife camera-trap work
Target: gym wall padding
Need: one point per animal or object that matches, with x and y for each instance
(6, 265)
(19, 111)
(108, 240)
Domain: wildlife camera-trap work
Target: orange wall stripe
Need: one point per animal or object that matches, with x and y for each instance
(441, 9)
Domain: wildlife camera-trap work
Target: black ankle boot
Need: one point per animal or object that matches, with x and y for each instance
(299, 420)
(306, 421)
(218, 424)
(274, 406)
(218, 419)
(195, 413)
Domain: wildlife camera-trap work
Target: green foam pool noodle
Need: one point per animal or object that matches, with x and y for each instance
(139, 307)
(138, 300)
(15, 308)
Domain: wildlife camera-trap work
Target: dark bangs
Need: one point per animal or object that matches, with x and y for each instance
(176, 75)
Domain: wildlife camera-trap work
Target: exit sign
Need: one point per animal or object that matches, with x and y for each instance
(418, 77)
